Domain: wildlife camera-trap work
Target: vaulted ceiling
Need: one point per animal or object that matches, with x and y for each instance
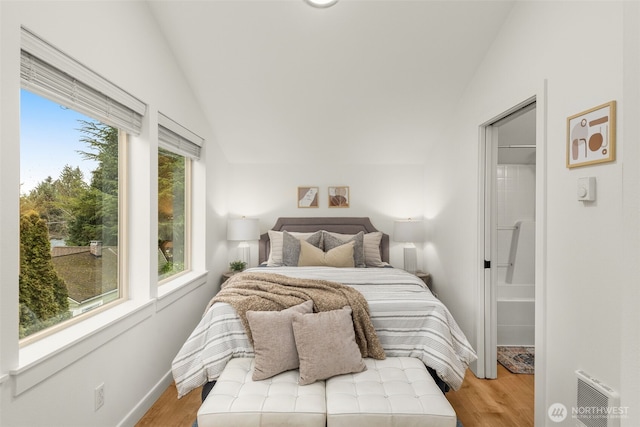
(281, 81)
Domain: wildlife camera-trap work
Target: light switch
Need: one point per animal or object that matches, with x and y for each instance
(587, 189)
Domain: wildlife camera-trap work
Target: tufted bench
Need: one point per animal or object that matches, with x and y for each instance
(236, 400)
(397, 391)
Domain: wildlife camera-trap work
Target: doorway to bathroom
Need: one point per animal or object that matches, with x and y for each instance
(509, 236)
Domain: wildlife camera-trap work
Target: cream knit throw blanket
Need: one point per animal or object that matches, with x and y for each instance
(275, 292)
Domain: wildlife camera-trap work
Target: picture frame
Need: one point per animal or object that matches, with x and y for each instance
(591, 136)
(339, 197)
(308, 197)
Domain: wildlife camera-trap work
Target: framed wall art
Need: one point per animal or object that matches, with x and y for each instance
(591, 136)
(339, 197)
(307, 197)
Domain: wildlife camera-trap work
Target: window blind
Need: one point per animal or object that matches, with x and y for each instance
(178, 139)
(49, 72)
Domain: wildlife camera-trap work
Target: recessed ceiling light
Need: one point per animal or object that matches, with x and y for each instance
(321, 3)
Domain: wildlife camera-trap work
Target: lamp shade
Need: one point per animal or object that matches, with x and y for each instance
(243, 229)
(408, 230)
(321, 3)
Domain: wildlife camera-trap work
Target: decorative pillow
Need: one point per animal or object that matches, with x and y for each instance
(273, 341)
(330, 241)
(276, 240)
(371, 243)
(291, 246)
(326, 345)
(342, 256)
(372, 249)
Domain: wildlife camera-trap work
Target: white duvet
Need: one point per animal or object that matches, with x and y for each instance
(408, 319)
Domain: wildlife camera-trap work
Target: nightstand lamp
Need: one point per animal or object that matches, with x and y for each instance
(409, 231)
(243, 230)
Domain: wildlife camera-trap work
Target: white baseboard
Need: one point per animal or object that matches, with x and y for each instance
(147, 401)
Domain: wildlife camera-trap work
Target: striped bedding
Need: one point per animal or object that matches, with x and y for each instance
(408, 319)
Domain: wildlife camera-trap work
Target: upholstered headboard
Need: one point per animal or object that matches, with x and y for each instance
(344, 225)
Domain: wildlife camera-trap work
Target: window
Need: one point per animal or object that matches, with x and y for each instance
(69, 222)
(176, 152)
(74, 128)
(173, 250)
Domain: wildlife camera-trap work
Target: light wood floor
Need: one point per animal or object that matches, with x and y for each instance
(506, 401)
(169, 411)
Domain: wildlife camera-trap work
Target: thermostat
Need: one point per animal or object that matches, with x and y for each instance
(587, 189)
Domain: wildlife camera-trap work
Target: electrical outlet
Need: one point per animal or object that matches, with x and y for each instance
(99, 396)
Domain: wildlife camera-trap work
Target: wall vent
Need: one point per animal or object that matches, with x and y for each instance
(597, 404)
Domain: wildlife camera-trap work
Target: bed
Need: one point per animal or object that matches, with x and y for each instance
(408, 319)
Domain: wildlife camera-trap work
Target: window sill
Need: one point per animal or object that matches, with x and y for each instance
(40, 360)
(43, 358)
(175, 289)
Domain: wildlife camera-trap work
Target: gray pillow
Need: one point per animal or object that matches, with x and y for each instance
(275, 246)
(273, 341)
(291, 246)
(330, 241)
(326, 344)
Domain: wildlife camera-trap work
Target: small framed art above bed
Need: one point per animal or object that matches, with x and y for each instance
(334, 262)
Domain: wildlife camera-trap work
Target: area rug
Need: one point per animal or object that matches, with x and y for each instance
(518, 360)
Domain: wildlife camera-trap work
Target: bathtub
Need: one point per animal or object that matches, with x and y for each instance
(516, 314)
(516, 322)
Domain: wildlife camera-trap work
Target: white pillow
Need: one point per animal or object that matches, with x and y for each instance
(372, 254)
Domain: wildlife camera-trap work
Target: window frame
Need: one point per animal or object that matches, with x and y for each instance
(188, 250)
(177, 139)
(122, 272)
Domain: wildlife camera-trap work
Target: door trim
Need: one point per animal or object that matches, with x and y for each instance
(487, 306)
(540, 99)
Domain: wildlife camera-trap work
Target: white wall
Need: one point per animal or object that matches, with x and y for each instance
(382, 192)
(516, 196)
(540, 40)
(130, 355)
(587, 280)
